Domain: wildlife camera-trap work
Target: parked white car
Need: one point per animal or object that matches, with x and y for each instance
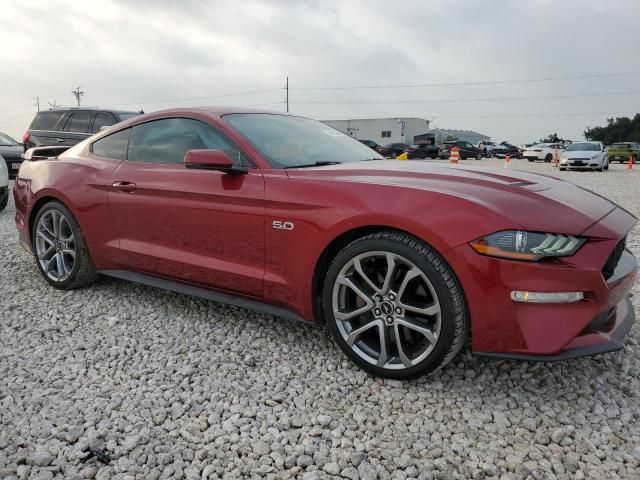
(585, 156)
(4, 184)
(543, 151)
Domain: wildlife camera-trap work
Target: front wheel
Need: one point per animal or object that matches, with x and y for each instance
(60, 249)
(394, 306)
(4, 202)
(548, 158)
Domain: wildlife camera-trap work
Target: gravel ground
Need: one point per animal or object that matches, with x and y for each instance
(175, 387)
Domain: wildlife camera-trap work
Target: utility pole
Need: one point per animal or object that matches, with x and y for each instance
(77, 93)
(38, 103)
(287, 89)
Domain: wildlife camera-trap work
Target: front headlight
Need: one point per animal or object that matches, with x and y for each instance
(528, 246)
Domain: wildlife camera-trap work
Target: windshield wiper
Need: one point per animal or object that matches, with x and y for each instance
(316, 164)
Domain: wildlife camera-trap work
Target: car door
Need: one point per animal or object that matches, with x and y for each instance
(200, 226)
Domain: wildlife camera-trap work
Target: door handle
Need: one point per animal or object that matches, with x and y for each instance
(127, 187)
(60, 140)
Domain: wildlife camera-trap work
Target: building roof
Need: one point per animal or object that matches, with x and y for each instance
(383, 118)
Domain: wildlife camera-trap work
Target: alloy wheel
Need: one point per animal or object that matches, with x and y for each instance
(386, 310)
(55, 245)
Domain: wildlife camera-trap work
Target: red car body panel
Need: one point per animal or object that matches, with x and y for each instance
(215, 230)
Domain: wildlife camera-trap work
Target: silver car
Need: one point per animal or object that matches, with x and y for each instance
(585, 156)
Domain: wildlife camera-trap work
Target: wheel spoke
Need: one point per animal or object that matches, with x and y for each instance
(417, 327)
(410, 275)
(59, 265)
(47, 254)
(347, 282)
(432, 309)
(351, 339)
(71, 253)
(406, 361)
(357, 266)
(383, 357)
(391, 268)
(55, 220)
(46, 236)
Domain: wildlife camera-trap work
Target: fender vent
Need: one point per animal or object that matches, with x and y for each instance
(614, 258)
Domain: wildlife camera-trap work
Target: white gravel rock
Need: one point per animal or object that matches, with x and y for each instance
(180, 388)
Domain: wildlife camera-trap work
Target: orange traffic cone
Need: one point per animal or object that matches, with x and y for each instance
(557, 159)
(455, 155)
(630, 164)
(507, 161)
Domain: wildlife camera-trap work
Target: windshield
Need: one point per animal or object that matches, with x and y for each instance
(127, 116)
(583, 147)
(287, 141)
(6, 140)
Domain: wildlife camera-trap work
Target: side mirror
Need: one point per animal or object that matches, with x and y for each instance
(211, 160)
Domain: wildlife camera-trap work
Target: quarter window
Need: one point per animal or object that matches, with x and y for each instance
(112, 146)
(167, 140)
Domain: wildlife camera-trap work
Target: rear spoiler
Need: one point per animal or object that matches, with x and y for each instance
(44, 153)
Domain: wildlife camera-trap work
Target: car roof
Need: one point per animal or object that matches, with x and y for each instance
(88, 109)
(217, 110)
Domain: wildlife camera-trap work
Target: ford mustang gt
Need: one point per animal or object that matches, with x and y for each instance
(404, 261)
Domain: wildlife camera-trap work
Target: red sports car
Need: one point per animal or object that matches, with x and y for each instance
(405, 261)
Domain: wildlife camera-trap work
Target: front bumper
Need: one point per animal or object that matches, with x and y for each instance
(503, 328)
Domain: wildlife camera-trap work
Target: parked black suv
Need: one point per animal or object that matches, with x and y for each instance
(68, 126)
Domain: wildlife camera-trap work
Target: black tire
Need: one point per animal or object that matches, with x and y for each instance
(4, 202)
(548, 158)
(453, 318)
(531, 160)
(479, 156)
(562, 169)
(83, 272)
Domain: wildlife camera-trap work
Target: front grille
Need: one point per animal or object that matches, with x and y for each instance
(614, 258)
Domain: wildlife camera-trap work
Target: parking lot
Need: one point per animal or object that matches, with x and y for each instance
(176, 387)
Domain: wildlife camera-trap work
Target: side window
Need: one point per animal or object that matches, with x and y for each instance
(112, 146)
(167, 140)
(79, 122)
(102, 120)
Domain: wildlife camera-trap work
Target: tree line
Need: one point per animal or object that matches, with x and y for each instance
(621, 129)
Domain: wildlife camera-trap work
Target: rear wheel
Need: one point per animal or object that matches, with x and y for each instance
(394, 306)
(479, 156)
(531, 159)
(61, 252)
(4, 202)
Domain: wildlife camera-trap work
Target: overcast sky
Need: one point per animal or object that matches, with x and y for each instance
(159, 54)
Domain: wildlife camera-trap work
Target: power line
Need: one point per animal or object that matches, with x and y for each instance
(507, 116)
(459, 100)
(239, 94)
(457, 84)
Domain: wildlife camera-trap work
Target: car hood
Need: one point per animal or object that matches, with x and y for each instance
(532, 201)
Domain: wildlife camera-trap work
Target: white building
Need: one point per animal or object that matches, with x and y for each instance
(382, 130)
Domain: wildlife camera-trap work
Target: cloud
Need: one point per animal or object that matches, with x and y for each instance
(128, 52)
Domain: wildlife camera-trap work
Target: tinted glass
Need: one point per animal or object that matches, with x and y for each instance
(102, 120)
(167, 140)
(112, 146)
(287, 141)
(6, 140)
(79, 122)
(45, 120)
